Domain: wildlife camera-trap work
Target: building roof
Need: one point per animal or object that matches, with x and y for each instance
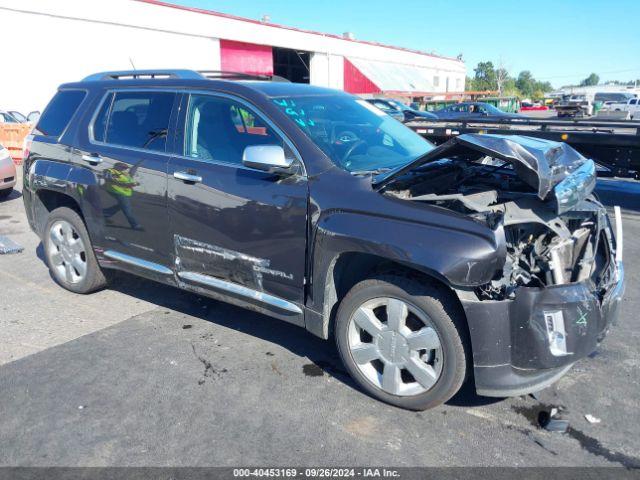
(295, 29)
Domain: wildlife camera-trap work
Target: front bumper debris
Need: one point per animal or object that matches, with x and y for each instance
(516, 349)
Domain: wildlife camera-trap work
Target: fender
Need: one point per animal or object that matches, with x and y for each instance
(456, 257)
(66, 178)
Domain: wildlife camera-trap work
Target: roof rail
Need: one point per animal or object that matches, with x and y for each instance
(180, 74)
(221, 74)
(135, 74)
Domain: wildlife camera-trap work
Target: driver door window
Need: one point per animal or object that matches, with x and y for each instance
(219, 129)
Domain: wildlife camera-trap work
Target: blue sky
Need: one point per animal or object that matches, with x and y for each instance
(561, 41)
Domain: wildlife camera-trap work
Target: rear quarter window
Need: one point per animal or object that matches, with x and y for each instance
(59, 112)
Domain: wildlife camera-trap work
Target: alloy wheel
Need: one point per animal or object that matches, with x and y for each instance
(395, 346)
(67, 254)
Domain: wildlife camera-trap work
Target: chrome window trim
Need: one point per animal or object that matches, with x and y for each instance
(137, 262)
(255, 111)
(241, 290)
(94, 117)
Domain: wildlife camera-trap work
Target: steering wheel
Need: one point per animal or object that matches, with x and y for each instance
(350, 151)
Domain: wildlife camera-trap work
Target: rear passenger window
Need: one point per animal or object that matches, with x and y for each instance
(58, 113)
(135, 119)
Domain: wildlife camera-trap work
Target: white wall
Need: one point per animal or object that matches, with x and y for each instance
(327, 70)
(72, 38)
(67, 50)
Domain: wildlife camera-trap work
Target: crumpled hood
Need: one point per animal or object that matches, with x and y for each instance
(542, 164)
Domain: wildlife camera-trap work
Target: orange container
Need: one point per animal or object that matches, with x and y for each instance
(12, 138)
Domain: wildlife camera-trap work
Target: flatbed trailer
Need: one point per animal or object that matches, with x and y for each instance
(614, 145)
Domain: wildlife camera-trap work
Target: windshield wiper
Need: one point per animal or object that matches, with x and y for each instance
(374, 171)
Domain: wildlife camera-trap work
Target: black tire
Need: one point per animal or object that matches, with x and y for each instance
(445, 316)
(94, 279)
(5, 193)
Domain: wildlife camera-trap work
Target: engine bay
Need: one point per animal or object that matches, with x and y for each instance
(543, 247)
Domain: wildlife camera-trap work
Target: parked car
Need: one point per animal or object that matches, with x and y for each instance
(533, 107)
(6, 117)
(471, 110)
(487, 253)
(7, 173)
(18, 116)
(400, 111)
(31, 118)
(631, 106)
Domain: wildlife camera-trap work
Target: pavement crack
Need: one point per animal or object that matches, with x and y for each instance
(209, 370)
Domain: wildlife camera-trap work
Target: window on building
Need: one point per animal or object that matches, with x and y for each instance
(58, 113)
(219, 129)
(458, 84)
(436, 81)
(135, 119)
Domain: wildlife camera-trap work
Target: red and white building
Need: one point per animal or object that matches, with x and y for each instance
(64, 40)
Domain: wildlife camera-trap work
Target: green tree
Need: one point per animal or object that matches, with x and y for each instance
(592, 79)
(526, 83)
(485, 76)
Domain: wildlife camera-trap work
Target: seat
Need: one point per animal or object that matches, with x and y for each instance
(123, 130)
(216, 139)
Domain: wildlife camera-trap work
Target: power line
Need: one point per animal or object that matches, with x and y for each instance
(600, 73)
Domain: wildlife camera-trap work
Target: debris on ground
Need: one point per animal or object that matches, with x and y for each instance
(548, 420)
(8, 246)
(591, 419)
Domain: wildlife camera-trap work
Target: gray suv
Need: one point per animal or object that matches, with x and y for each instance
(487, 258)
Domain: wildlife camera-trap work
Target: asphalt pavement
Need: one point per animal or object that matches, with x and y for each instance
(146, 375)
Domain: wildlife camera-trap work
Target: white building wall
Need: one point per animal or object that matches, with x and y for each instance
(327, 70)
(70, 50)
(76, 37)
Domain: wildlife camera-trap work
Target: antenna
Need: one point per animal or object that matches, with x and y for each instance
(131, 62)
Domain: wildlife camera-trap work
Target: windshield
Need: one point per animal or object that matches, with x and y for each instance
(399, 105)
(355, 135)
(491, 109)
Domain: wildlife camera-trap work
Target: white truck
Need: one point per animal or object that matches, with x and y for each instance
(631, 106)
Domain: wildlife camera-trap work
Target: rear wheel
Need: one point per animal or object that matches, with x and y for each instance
(69, 254)
(402, 341)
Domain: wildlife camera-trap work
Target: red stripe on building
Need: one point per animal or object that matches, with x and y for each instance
(356, 82)
(246, 58)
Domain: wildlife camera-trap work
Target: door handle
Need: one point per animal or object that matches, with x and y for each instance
(187, 177)
(93, 159)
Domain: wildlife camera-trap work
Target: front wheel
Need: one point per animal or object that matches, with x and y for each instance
(69, 254)
(403, 341)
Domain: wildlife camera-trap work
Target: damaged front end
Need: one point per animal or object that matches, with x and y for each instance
(562, 278)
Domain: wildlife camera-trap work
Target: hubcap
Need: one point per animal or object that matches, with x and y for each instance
(67, 254)
(395, 347)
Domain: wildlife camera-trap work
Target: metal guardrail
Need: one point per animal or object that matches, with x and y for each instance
(612, 144)
(543, 123)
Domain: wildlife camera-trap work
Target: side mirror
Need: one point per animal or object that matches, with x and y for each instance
(33, 117)
(268, 158)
